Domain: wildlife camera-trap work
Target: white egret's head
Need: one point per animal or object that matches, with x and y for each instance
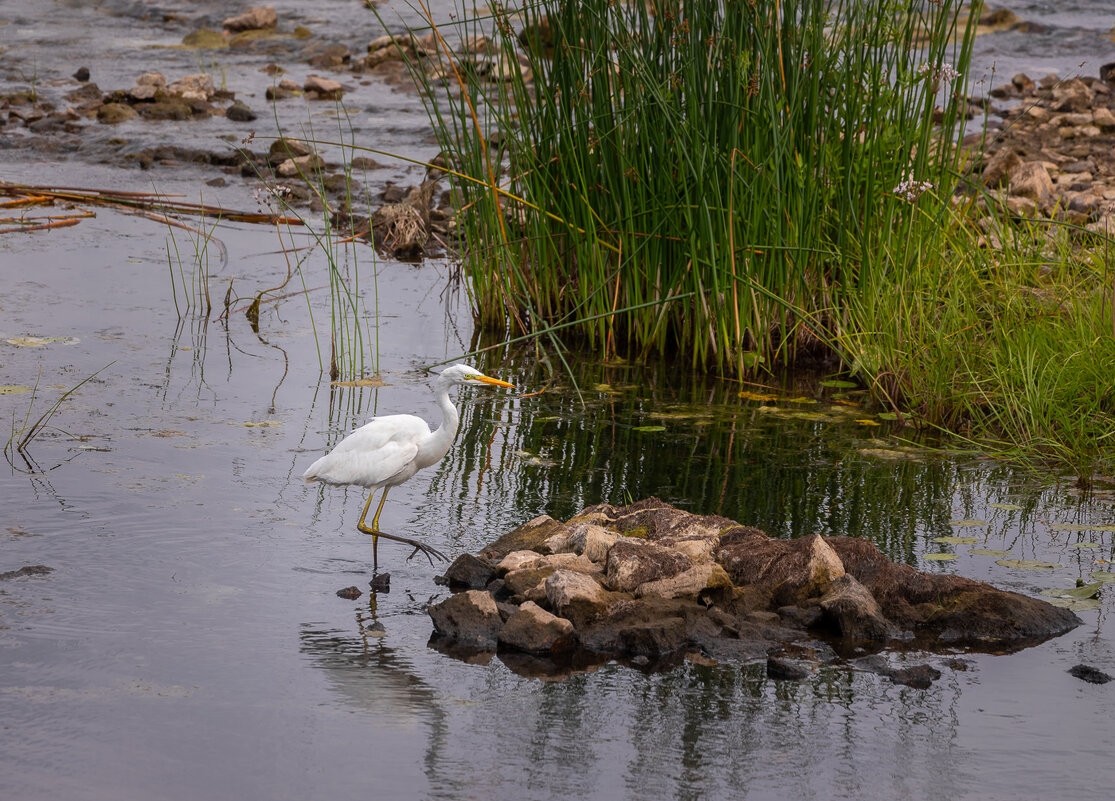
(463, 374)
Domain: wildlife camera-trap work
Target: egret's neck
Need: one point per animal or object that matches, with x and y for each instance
(442, 438)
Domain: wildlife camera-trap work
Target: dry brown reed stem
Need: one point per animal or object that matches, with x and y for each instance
(146, 201)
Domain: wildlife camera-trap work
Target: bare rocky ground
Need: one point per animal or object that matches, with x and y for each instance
(651, 584)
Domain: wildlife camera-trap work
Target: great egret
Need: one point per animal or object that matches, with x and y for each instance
(386, 451)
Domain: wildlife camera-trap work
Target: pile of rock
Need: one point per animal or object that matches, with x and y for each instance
(648, 581)
(1055, 157)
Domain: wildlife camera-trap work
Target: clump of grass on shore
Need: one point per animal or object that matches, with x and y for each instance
(708, 178)
(745, 183)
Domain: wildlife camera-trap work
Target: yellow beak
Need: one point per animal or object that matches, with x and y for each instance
(495, 382)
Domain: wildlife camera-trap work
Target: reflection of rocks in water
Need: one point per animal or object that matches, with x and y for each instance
(650, 583)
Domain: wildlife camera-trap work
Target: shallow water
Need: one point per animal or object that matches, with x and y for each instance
(189, 642)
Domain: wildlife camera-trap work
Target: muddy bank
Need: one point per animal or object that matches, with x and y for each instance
(652, 583)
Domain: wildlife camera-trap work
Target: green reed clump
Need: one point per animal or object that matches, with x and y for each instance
(1011, 348)
(711, 178)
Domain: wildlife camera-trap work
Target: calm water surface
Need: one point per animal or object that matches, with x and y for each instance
(189, 642)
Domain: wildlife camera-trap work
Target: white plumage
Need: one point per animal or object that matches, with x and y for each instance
(388, 450)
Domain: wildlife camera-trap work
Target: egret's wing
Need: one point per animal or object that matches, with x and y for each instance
(373, 454)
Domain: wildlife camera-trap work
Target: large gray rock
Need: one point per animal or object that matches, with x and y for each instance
(854, 611)
(633, 562)
(534, 630)
(576, 596)
(469, 618)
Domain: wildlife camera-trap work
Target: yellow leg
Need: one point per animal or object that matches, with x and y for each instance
(429, 552)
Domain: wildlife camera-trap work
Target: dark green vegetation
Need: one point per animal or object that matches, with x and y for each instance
(751, 183)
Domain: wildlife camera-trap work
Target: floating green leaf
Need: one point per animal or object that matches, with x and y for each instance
(1105, 576)
(939, 557)
(1027, 564)
(13, 389)
(649, 429)
(38, 342)
(988, 552)
(886, 453)
(957, 540)
(1077, 593)
(887, 415)
(839, 383)
(1083, 605)
(1104, 528)
(1008, 506)
(1085, 545)
(968, 523)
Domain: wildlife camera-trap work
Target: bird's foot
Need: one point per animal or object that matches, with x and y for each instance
(419, 547)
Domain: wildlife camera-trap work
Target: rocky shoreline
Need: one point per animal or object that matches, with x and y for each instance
(1045, 150)
(651, 584)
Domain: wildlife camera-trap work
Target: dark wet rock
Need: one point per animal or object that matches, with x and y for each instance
(631, 563)
(468, 572)
(257, 18)
(169, 109)
(854, 612)
(950, 608)
(783, 669)
(28, 570)
(1083, 672)
(86, 93)
(283, 89)
(920, 677)
(917, 676)
(331, 56)
(534, 630)
(239, 112)
(82, 74)
(283, 149)
(364, 163)
(381, 582)
(470, 618)
(790, 570)
(664, 583)
(349, 593)
(112, 113)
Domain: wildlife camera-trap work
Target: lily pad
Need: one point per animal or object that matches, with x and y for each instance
(757, 396)
(968, 523)
(1077, 593)
(1027, 564)
(1105, 576)
(1103, 528)
(372, 381)
(13, 389)
(939, 557)
(887, 415)
(957, 540)
(988, 552)
(38, 342)
(649, 429)
(1082, 605)
(839, 384)
(1008, 506)
(263, 424)
(865, 422)
(1085, 545)
(885, 453)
